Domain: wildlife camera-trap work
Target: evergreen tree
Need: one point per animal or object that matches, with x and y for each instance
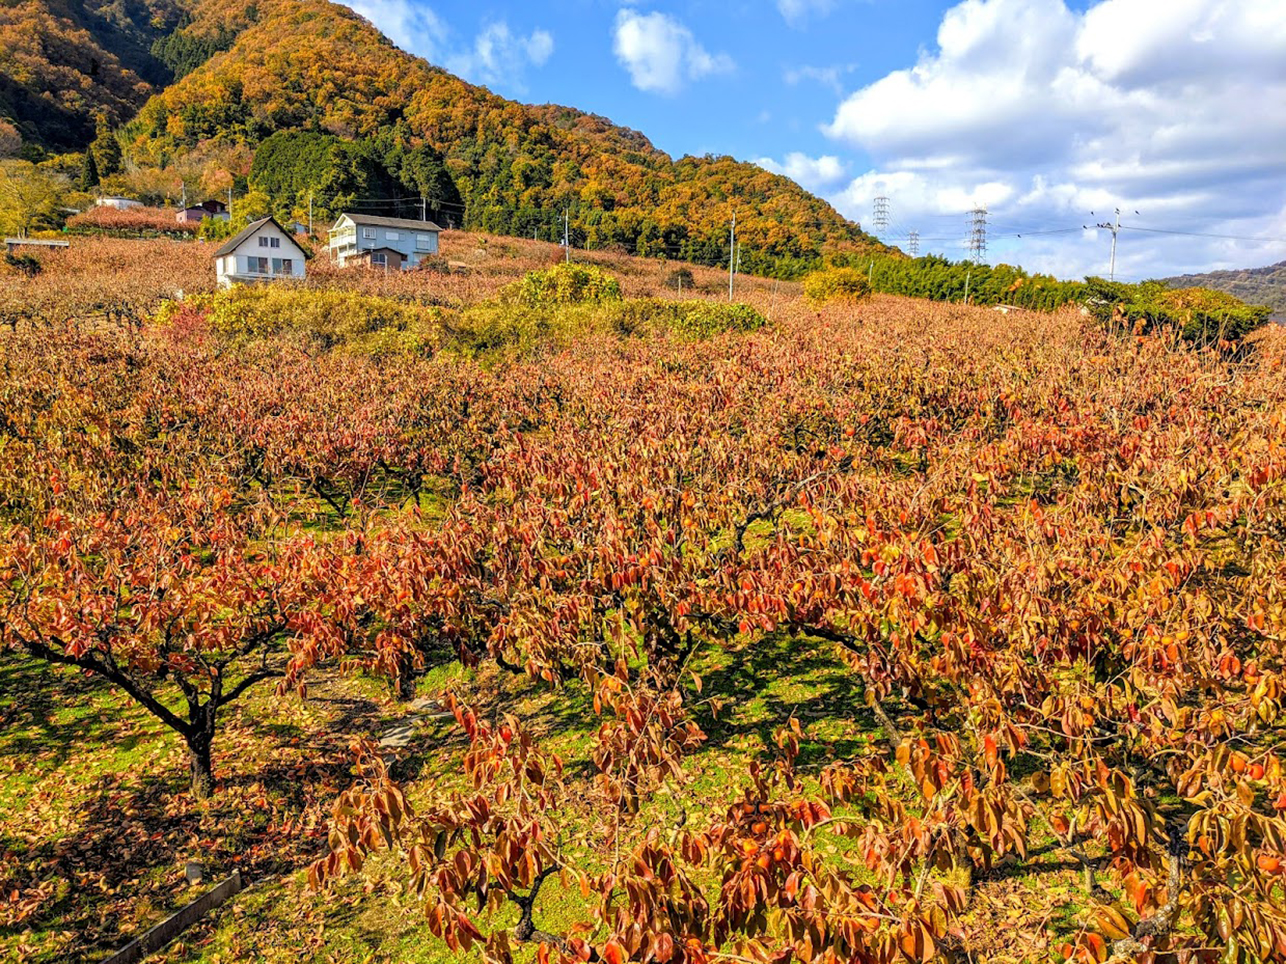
(106, 150)
(89, 172)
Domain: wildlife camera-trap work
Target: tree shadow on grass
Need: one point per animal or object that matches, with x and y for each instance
(763, 685)
(102, 858)
(30, 704)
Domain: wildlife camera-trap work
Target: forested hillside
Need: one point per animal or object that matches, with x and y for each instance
(62, 62)
(317, 67)
(1256, 286)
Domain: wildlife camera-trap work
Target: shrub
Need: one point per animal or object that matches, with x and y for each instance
(24, 264)
(216, 229)
(324, 320)
(509, 330)
(433, 264)
(563, 284)
(702, 319)
(690, 319)
(836, 284)
(680, 277)
(1199, 315)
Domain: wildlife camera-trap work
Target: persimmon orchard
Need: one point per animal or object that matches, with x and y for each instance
(1049, 557)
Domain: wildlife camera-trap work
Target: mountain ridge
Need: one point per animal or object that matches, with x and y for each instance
(239, 75)
(1256, 286)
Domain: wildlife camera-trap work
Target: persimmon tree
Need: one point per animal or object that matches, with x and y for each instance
(1049, 559)
(1025, 574)
(126, 554)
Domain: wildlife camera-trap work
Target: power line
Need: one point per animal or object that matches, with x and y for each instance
(913, 242)
(1202, 234)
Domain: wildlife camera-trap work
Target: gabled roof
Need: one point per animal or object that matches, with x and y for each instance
(248, 231)
(408, 223)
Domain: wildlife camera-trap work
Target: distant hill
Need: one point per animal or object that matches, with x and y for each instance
(208, 75)
(1255, 286)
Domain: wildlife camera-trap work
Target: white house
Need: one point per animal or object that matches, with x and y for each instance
(262, 251)
(355, 234)
(119, 203)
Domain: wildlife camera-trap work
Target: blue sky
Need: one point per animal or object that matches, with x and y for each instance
(1049, 113)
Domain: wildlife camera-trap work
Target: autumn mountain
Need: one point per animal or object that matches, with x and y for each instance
(62, 62)
(201, 73)
(1256, 286)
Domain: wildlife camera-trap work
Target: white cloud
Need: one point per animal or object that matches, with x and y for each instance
(816, 174)
(832, 77)
(499, 57)
(795, 11)
(1044, 113)
(661, 54)
(411, 25)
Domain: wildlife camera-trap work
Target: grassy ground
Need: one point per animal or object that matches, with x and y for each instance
(96, 825)
(94, 833)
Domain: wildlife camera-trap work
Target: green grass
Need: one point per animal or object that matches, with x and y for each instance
(281, 762)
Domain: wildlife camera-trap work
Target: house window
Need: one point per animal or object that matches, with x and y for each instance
(379, 257)
(257, 265)
(423, 242)
(394, 236)
(287, 266)
(276, 266)
(368, 233)
(263, 241)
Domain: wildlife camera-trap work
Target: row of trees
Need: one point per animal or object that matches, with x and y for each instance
(1200, 314)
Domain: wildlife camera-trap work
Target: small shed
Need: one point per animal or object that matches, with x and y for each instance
(262, 251)
(384, 259)
(199, 212)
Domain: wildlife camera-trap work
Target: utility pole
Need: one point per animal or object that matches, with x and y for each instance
(913, 242)
(229, 202)
(978, 234)
(567, 236)
(870, 274)
(881, 214)
(424, 210)
(310, 213)
(732, 255)
(1115, 228)
(967, 274)
(184, 185)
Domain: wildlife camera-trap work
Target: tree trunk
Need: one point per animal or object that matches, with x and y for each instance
(200, 766)
(405, 677)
